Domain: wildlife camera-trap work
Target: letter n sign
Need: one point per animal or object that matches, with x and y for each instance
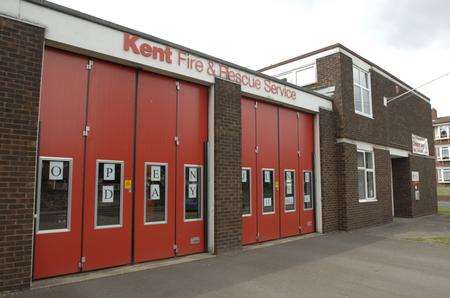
(56, 170)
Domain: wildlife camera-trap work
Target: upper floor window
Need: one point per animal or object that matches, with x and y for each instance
(306, 75)
(361, 91)
(443, 153)
(442, 132)
(443, 175)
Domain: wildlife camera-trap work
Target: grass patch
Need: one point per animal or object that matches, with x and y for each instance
(444, 240)
(443, 191)
(444, 210)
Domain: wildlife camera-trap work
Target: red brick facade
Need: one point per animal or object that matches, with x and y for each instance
(20, 76)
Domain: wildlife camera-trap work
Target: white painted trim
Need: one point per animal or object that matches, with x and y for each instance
(369, 147)
(317, 176)
(250, 179)
(210, 170)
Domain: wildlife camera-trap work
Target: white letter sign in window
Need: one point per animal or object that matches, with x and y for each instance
(56, 170)
(109, 172)
(155, 173)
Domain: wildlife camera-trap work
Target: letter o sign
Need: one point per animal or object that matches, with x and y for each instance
(56, 170)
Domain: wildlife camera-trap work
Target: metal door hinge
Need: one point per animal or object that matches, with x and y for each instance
(177, 85)
(175, 248)
(298, 115)
(86, 131)
(257, 236)
(298, 152)
(90, 64)
(177, 141)
(256, 104)
(257, 149)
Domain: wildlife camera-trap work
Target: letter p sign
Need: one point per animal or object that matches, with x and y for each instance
(109, 172)
(56, 170)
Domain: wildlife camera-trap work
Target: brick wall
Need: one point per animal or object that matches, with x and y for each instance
(227, 168)
(20, 74)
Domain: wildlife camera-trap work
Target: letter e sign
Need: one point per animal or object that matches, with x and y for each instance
(155, 173)
(109, 172)
(56, 170)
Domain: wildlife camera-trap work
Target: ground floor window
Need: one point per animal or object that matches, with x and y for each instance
(443, 175)
(366, 176)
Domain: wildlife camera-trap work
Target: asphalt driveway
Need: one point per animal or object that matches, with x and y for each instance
(376, 262)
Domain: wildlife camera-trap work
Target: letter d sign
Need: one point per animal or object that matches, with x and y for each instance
(108, 194)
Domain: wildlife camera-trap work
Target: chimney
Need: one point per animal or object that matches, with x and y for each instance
(433, 114)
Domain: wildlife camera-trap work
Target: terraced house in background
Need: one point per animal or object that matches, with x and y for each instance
(442, 141)
(118, 147)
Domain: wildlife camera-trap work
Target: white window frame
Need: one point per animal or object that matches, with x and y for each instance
(303, 68)
(294, 180)
(273, 191)
(166, 166)
(437, 133)
(365, 169)
(441, 174)
(250, 189)
(439, 155)
(368, 88)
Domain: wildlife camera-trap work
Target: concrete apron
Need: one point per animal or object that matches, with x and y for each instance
(79, 277)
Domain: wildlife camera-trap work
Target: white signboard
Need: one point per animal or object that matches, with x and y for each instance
(288, 176)
(192, 191)
(307, 198)
(244, 176)
(289, 188)
(267, 202)
(56, 170)
(415, 176)
(267, 176)
(108, 194)
(155, 193)
(155, 173)
(109, 172)
(289, 200)
(420, 145)
(192, 174)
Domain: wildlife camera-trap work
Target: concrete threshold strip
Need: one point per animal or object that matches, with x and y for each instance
(79, 277)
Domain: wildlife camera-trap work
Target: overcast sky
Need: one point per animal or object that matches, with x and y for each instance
(409, 38)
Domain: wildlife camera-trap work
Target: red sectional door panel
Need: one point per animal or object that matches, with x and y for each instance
(62, 109)
(155, 167)
(289, 172)
(248, 163)
(267, 171)
(107, 204)
(192, 129)
(306, 136)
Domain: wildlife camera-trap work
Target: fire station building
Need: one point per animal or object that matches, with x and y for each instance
(117, 147)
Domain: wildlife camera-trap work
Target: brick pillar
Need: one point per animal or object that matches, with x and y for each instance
(21, 48)
(227, 166)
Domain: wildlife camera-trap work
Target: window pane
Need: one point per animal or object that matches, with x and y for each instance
(446, 175)
(364, 79)
(155, 193)
(366, 101)
(306, 76)
(361, 160)
(355, 75)
(445, 153)
(370, 185)
(54, 195)
(307, 190)
(109, 193)
(369, 160)
(361, 184)
(289, 190)
(268, 202)
(357, 95)
(192, 194)
(443, 130)
(246, 184)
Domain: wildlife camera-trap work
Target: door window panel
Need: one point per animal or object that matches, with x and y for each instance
(54, 194)
(268, 191)
(109, 194)
(289, 190)
(192, 193)
(246, 184)
(307, 190)
(155, 192)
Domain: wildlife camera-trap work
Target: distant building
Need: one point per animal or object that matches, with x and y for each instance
(442, 142)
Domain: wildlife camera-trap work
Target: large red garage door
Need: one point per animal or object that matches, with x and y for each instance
(277, 172)
(98, 120)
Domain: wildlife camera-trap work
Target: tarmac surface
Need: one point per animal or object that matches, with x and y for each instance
(375, 262)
